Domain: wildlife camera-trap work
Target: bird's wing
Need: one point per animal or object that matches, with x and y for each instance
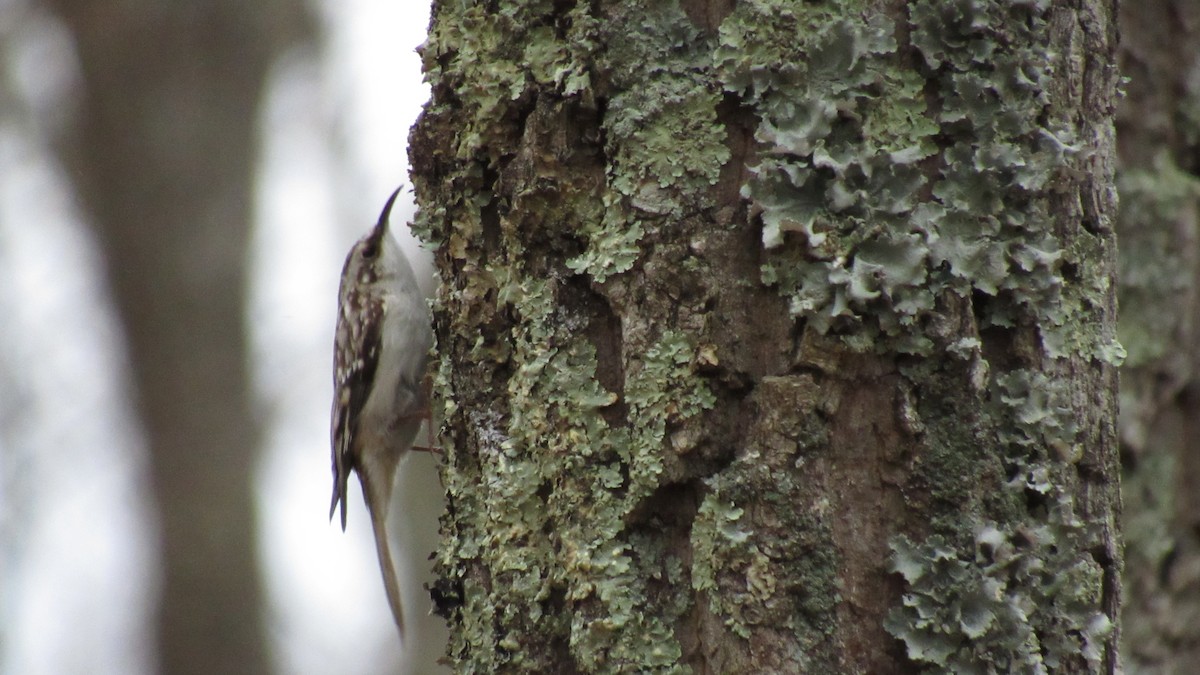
(351, 387)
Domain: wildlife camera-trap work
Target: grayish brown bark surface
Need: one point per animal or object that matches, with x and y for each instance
(775, 337)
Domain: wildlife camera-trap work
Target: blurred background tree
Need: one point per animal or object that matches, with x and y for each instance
(223, 155)
(1158, 137)
(163, 154)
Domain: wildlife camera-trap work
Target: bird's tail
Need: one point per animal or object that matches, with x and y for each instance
(378, 498)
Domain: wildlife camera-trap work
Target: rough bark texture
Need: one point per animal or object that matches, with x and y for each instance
(162, 153)
(775, 337)
(1159, 226)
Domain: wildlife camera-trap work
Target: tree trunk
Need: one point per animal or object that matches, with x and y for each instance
(163, 157)
(776, 337)
(1159, 126)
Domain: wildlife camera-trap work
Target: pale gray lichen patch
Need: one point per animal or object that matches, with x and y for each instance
(1021, 603)
(843, 134)
(855, 166)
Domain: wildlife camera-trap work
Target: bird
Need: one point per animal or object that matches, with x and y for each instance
(381, 353)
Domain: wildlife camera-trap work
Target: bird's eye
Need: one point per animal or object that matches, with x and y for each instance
(370, 250)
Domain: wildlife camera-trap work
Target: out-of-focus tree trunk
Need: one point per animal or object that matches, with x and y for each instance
(162, 152)
(1159, 228)
(776, 336)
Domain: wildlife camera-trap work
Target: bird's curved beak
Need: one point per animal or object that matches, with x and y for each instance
(385, 215)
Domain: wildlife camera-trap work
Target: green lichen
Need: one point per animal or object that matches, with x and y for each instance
(661, 120)
(739, 566)
(1023, 602)
(991, 209)
(496, 61)
(717, 536)
(847, 142)
(1026, 596)
(529, 463)
(660, 124)
(665, 389)
(874, 203)
(763, 555)
(843, 133)
(998, 179)
(560, 556)
(613, 246)
(1039, 412)
(505, 55)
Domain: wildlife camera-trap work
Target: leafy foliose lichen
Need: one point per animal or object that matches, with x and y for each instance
(539, 546)
(891, 202)
(1029, 596)
(661, 119)
(1038, 409)
(716, 532)
(1012, 151)
(843, 133)
(664, 389)
(737, 568)
(1018, 603)
(486, 66)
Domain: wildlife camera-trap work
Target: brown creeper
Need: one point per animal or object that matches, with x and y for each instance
(380, 353)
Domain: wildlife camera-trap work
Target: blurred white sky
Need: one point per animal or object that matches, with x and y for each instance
(74, 531)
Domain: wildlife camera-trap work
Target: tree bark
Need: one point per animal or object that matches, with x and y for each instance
(775, 337)
(1159, 226)
(163, 155)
